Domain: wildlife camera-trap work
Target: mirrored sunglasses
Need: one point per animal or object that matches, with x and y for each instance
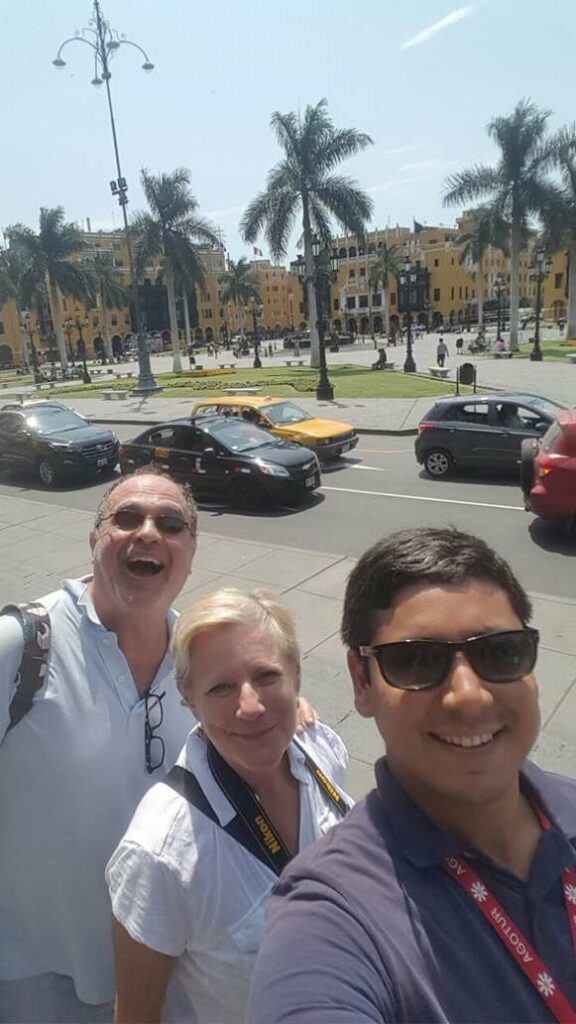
(128, 519)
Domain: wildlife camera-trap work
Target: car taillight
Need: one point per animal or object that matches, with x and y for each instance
(425, 426)
(543, 467)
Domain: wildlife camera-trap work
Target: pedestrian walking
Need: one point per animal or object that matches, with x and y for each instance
(459, 346)
(441, 352)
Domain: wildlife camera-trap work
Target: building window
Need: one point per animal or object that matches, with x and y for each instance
(466, 292)
(392, 298)
(460, 292)
(558, 280)
(377, 299)
(114, 321)
(452, 293)
(363, 302)
(452, 261)
(336, 306)
(362, 271)
(207, 314)
(1, 327)
(351, 302)
(436, 295)
(351, 275)
(436, 262)
(274, 287)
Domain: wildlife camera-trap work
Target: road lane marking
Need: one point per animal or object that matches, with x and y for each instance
(373, 469)
(385, 451)
(421, 497)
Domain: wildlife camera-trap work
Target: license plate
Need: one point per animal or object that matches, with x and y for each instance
(345, 448)
(102, 462)
(310, 481)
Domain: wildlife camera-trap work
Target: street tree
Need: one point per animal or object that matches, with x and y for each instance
(107, 291)
(302, 184)
(387, 264)
(485, 229)
(560, 217)
(239, 285)
(518, 186)
(49, 264)
(173, 234)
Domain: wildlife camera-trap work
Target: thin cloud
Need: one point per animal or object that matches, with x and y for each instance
(438, 26)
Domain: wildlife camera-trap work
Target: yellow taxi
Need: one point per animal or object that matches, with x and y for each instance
(283, 418)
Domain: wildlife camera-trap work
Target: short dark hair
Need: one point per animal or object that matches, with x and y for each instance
(429, 555)
(151, 470)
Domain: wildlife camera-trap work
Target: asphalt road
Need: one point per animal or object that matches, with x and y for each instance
(376, 489)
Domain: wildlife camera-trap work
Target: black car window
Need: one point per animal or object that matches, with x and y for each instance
(52, 419)
(161, 437)
(9, 423)
(189, 439)
(472, 412)
(238, 436)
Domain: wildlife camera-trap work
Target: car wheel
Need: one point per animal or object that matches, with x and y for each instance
(46, 470)
(438, 463)
(527, 453)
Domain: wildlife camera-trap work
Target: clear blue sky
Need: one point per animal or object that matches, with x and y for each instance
(423, 79)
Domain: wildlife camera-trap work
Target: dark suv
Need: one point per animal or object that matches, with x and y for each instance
(481, 431)
(52, 441)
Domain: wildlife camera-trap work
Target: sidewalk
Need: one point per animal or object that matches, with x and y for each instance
(41, 543)
(378, 415)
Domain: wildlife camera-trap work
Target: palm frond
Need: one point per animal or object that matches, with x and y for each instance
(347, 203)
(344, 142)
(471, 184)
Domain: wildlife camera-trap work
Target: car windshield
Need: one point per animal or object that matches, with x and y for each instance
(239, 436)
(545, 405)
(283, 413)
(53, 420)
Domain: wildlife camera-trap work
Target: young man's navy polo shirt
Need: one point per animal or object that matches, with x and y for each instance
(367, 926)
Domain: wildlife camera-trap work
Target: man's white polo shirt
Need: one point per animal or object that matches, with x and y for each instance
(184, 887)
(71, 775)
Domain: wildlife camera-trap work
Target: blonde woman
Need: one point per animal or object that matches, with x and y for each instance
(190, 879)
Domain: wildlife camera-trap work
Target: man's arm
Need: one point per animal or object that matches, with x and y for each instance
(317, 964)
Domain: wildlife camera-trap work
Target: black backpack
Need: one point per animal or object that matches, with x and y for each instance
(35, 622)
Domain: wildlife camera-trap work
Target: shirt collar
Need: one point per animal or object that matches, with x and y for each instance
(425, 843)
(80, 591)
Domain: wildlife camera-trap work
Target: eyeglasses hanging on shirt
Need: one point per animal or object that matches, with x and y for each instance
(154, 749)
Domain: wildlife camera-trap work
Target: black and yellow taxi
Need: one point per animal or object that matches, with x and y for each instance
(226, 458)
(284, 419)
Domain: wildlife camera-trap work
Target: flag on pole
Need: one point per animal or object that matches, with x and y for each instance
(258, 252)
(418, 227)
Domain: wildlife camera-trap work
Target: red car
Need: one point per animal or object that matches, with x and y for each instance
(548, 470)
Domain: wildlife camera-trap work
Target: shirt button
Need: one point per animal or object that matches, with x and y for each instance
(121, 679)
(106, 642)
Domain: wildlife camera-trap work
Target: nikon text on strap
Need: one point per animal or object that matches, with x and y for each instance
(251, 827)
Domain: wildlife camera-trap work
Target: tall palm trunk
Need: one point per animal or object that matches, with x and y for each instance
(56, 314)
(480, 277)
(571, 332)
(107, 335)
(515, 244)
(173, 317)
(23, 337)
(187, 321)
(386, 310)
(310, 289)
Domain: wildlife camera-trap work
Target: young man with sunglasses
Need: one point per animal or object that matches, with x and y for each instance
(449, 894)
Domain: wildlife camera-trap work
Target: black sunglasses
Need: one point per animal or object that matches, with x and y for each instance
(154, 749)
(129, 519)
(502, 657)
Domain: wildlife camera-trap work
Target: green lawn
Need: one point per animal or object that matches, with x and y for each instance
(349, 381)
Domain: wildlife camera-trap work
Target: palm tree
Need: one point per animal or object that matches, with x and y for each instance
(107, 290)
(240, 286)
(47, 258)
(486, 229)
(172, 232)
(388, 262)
(12, 267)
(560, 219)
(518, 185)
(302, 183)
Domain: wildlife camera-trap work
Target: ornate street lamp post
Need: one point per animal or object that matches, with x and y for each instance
(27, 323)
(499, 282)
(322, 277)
(256, 312)
(77, 323)
(540, 267)
(104, 42)
(408, 277)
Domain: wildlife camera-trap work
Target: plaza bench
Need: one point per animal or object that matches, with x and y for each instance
(196, 366)
(114, 394)
(571, 357)
(502, 355)
(227, 366)
(241, 391)
(293, 362)
(123, 373)
(439, 371)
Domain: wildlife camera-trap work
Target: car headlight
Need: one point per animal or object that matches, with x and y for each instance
(273, 469)
(60, 445)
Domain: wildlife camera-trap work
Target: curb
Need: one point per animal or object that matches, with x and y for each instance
(406, 432)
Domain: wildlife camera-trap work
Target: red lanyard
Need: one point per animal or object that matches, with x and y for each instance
(524, 954)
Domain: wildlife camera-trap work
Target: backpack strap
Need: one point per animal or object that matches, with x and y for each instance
(35, 622)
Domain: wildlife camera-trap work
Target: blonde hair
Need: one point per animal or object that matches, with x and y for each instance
(230, 607)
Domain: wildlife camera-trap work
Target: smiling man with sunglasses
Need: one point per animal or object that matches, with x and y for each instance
(449, 894)
(105, 724)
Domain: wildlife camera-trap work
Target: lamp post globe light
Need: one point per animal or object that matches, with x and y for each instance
(322, 277)
(540, 267)
(408, 277)
(104, 43)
